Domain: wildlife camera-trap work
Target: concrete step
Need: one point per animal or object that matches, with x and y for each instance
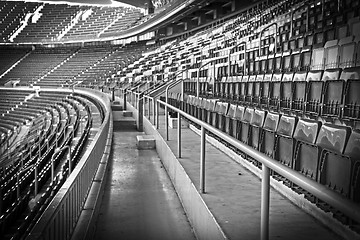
(116, 107)
(145, 142)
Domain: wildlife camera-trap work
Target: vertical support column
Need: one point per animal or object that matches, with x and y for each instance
(154, 110)
(69, 159)
(166, 123)
(52, 167)
(149, 106)
(157, 114)
(265, 202)
(36, 180)
(179, 134)
(140, 114)
(124, 107)
(202, 161)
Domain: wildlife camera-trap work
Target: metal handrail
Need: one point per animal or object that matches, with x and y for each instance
(336, 200)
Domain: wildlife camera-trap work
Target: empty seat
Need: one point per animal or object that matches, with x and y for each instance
(347, 52)
(267, 144)
(275, 92)
(256, 124)
(286, 92)
(314, 93)
(306, 154)
(218, 116)
(284, 146)
(317, 59)
(299, 93)
(332, 94)
(352, 151)
(331, 54)
(228, 119)
(265, 91)
(335, 168)
(244, 126)
(351, 77)
(236, 121)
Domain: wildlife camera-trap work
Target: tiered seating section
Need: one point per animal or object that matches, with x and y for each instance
(72, 66)
(37, 64)
(23, 22)
(11, 15)
(48, 116)
(286, 88)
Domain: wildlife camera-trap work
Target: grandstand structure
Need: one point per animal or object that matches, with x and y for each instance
(274, 83)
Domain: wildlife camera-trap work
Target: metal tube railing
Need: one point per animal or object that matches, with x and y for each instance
(344, 205)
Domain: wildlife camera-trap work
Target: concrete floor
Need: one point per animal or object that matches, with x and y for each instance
(139, 200)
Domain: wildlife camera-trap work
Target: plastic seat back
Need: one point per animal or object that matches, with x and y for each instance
(335, 168)
(306, 157)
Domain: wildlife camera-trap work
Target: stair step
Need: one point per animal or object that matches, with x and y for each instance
(116, 107)
(144, 142)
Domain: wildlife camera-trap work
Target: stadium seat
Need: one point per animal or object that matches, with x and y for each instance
(334, 167)
(284, 142)
(352, 151)
(275, 92)
(256, 124)
(306, 155)
(244, 135)
(332, 94)
(267, 139)
(286, 92)
(314, 93)
(351, 110)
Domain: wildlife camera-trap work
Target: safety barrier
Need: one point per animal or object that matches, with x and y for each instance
(60, 217)
(344, 205)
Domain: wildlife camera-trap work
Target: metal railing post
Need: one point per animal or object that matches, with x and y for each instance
(124, 107)
(154, 110)
(149, 110)
(179, 134)
(166, 123)
(265, 202)
(69, 159)
(140, 114)
(36, 180)
(157, 114)
(52, 167)
(202, 161)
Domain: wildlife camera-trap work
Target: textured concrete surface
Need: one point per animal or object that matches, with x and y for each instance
(139, 200)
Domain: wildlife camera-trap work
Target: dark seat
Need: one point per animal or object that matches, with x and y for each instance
(306, 155)
(314, 93)
(335, 168)
(267, 144)
(299, 93)
(244, 135)
(333, 94)
(351, 77)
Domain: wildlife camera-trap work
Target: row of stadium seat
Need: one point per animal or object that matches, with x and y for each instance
(327, 153)
(46, 22)
(56, 134)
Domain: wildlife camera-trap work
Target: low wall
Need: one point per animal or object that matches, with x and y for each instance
(202, 221)
(60, 217)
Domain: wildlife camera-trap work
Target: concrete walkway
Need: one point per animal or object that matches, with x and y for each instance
(233, 195)
(139, 200)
